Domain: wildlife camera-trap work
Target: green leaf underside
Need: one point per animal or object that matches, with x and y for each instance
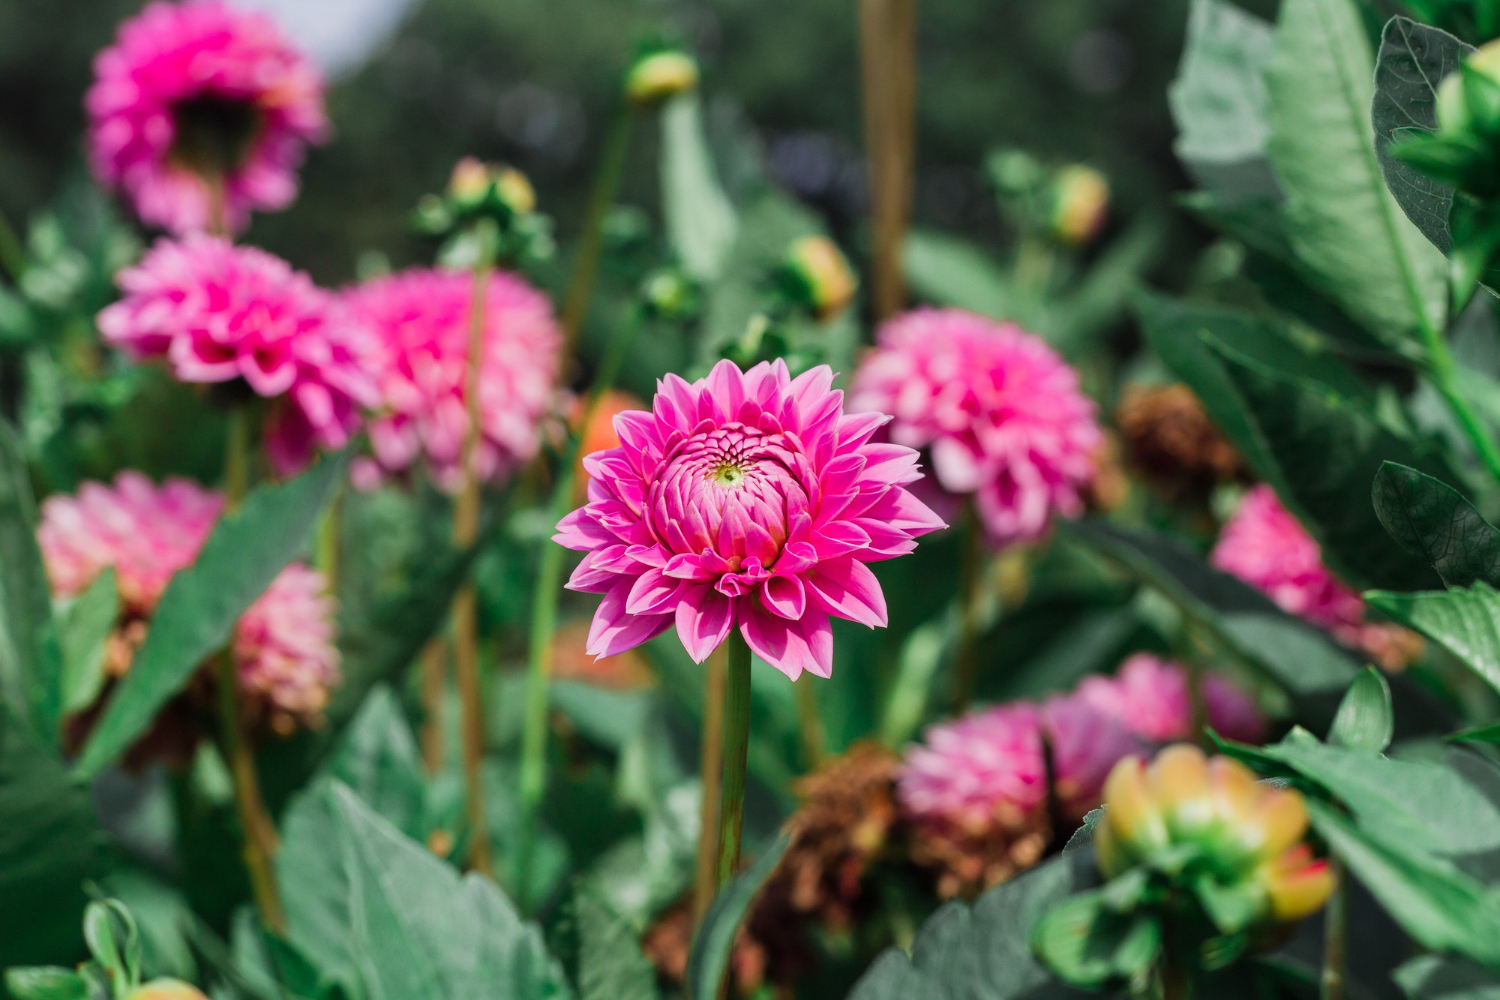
(700, 220)
(1465, 621)
(1429, 518)
(1364, 720)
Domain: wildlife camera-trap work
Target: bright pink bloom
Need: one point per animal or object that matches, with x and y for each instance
(1000, 412)
(985, 769)
(1084, 743)
(419, 322)
(744, 499)
(222, 313)
(284, 642)
(202, 86)
(1150, 696)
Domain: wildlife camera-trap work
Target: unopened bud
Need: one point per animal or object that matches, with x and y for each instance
(473, 184)
(819, 277)
(1467, 102)
(1080, 204)
(166, 989)
(661, 75)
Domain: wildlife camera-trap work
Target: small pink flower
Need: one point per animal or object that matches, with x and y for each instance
(749, 500)
(283, 644)
(1084, 744)
(1150, 696)
(201, 86)
(419, 326)
(1000, 412)
(222, 313)
(985, 769)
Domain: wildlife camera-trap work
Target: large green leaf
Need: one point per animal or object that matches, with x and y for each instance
(714, 941)
(1343, 223)
(1364, 720)
(700, 219)
(198, 611)
(1412, 61)
(1219, 98)
(967, 953)
(1465, 621)
(1436, 977)
(952, 271)
(1328, 449)
(1431, 519)
(86, 626)
(610, 963)
(30, 658)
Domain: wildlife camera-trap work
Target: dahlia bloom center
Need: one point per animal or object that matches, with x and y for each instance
(727, 497)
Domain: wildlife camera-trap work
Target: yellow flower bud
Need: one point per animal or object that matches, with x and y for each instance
(469, 182)
(1453, 111)
(166, 989)
(661, 75)
(1080, 204)
(1296, 883)
(515, 190)
(822, 275)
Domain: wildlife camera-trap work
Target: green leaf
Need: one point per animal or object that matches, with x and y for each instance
(1431, 519)
(709, 957)
(379, 761)
(951, 271)
(981, 950)
(1343, 223)
(30, 658)
(86, 626)
(115, 941)
(1086, 944)
(1466, 622)
(1412, 61)
(46, 983)
(1437, 977)
(700, 220)
(1364, 720)
(1287, 650)
(201, 605)
(610, 963)
(1073, 324)
(1219, 99)
(1424, 806)
(1438, 905)
(1328, 448)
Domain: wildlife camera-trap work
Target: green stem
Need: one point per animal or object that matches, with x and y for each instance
(736, 755)
(710, 773)
(533, 778)
(966, 659)
(809, 722)
(237, 459)
(1335, 931)
(1443, 371)
(591, 240)
(330, 528)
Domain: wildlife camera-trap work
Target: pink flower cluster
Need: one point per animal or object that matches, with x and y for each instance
(196, 65)
(419, 326)
(744, 500)
(1151, 697)
(223, 313)
(999, 411)
(284, 642)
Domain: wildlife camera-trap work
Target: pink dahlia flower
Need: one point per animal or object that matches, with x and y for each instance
(419, 326)
(201, 89)
(284, 642)
(749, 500)
(1000, 412)
(984, 769)
(1150, 696)
(1084, 744)
(223, 313)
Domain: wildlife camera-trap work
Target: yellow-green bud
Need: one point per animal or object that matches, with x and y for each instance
(166, 989)
(661, 75)
(474, 182)
(1453, 112)
(1080, 204)
(820, 276)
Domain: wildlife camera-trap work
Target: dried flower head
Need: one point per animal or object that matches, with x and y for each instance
(744, 500)
(1169, 436)
(193, 96)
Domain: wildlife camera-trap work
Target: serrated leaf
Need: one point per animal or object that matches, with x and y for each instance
(86, 625)
(1343, 223)
(1364, 720)
(709, 958)
(610, 963)
(198, 611)
(700, 220)
(1465, 621)
(1429, 518)
(30, 657)
(1413, 59)
(377, 758)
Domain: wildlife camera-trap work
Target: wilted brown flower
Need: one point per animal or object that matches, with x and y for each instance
(669, 940)
(968, 861)
(1169, 436)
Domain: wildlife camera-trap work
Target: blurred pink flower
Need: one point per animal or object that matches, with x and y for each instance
(1084, 743)
(202, 87)
(221, 313)
(1000, 412)
(419, 324)
(744, 499)
(985, 769)
(1150, 696)
(283, 644)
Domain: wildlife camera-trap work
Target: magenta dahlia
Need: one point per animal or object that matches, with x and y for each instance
(1151, 697)
(419, 326)
(749, 500)
(283, 644)
(195, 90)
(223, 313)
(999, 411)
(1084, 744)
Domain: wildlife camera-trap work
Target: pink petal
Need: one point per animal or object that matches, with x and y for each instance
(789, 646)
(848, 589)
(784, 596)
(704, 618)
(614, 630)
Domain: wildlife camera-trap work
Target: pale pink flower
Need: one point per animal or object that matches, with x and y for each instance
(999, 411)
(983, 770)
(283, 644)
(1084, 743)
(202, 87)
(749, 500)
(419, 326)
(1151, 697)
(223, 313)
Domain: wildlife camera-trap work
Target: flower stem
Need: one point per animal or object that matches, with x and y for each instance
(736, 755)
(888, 57)
(1443, 371)
(1335, 931)
(330, 529)
(257, 829)
(434, 688)
(711, 773)
(966, 658)
(809, 722)
(591, 240)
(465, 611)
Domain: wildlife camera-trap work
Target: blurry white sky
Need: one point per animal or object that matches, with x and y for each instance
(338, 34)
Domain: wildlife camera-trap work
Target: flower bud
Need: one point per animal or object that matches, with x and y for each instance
(819, 277)
(1080, 204)
(474, 184)
(1464, 102)
(166, 989)
(661, 75)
